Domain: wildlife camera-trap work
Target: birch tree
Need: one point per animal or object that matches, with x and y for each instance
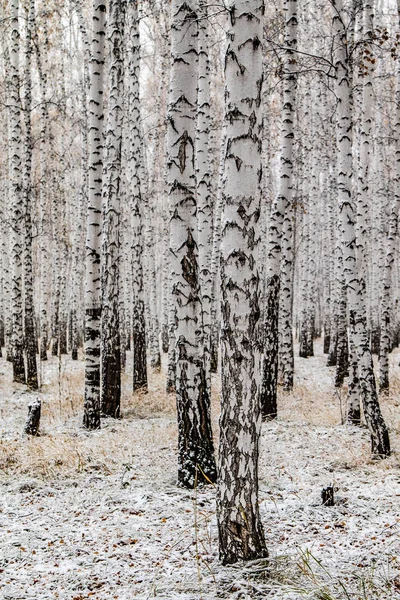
(110, 332)
(16, 196)
(195, 443)
(91, 417)
(241, 534)
(134, 142)
(281, 213)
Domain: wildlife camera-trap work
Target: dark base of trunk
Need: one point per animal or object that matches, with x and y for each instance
(165, 339)
(74, 354)
(268, 392)
(33, 421)
(54, 348)
(18, 368)
(241, 541)
(196, 466)
(139, 361)
(354, 416)
(327, 343)
(155, 362)
(303, 345)
(111, 386)
(332, 360)
(327, 496)
(380, 444)
(91, 419)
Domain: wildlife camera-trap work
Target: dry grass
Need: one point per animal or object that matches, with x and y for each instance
(64, 448)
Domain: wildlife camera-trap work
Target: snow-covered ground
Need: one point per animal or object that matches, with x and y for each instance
(98, 515)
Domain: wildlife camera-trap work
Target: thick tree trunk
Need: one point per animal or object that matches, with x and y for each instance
(241, 535)
(195, 444)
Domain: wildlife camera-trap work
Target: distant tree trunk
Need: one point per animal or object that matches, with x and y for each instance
(241, 535)
(44, 239)
(134, 192)
(30, 334)
(110, 318)
(282, 206)
(16, 198)
(195, 444)
(91, 419)
(203, 175)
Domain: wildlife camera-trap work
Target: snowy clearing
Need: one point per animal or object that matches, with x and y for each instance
(98, 515)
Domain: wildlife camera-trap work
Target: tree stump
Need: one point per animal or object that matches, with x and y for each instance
(327, 496)
(33, 421)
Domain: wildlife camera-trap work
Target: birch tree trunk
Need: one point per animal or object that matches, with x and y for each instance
(241, 535)
(354, 282)
(203, 175)
(29, 312)
(281, 211)
(16, 198)
(110, 318)
(91, 418)
(134, 192)
(195, 444)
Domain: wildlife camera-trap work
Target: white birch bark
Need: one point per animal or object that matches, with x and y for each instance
(91, 417)
(280, 220)
(203, 176)
(133, 119)
(110, 317)
(16, 196)
(29, 309)
(195, 443)
(240, 530)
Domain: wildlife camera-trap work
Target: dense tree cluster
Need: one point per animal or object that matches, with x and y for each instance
(202, 181)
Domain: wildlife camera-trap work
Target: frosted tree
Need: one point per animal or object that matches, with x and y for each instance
(281, 213)
(195, 443)
(29, 309)
(110, 327)
(241, 534)
(203, 176)
(134, 156)
(16, 196)
(91, 417)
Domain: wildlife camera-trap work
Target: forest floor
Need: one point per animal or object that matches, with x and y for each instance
(99, 515)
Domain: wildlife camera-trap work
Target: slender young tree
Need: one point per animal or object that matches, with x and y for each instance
(203, 175)
(29, 309)
(16, 197)
(134, 141)
(195, 444)
(91, 418)
(281, 214)
(241, 535)
(110, 318)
